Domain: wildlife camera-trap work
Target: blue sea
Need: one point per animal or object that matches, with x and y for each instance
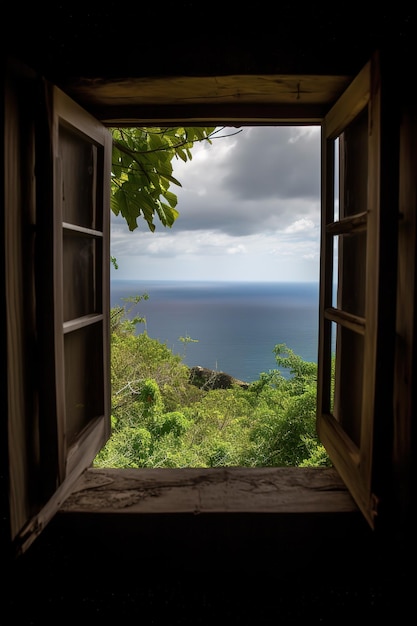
(235, 324)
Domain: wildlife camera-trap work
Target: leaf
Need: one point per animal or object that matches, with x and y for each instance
(171, 179)
(182, 154)
(142, 171)
(171, 198)
(170, 214)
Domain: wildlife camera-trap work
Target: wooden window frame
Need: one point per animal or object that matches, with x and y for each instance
(76, 479)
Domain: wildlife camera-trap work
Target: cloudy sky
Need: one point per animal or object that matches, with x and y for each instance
(249, 209)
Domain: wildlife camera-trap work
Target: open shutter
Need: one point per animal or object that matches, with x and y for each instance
(357, 290)
(66, 309)
(81, 151)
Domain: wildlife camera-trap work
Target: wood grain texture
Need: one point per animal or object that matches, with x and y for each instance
(217, 490)
(204, 98)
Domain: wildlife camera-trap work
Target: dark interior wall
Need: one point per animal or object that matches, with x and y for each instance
(206, 570)
(57, 583)
(194, 38)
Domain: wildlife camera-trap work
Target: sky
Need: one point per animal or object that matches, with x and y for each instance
(249, 210)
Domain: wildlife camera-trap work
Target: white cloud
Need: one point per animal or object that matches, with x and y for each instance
(301, 225)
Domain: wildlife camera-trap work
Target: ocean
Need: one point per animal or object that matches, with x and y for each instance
(235, 325)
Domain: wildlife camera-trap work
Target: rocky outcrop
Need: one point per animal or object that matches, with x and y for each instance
(208, 379)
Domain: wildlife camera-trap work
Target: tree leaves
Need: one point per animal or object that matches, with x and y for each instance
(142, 172)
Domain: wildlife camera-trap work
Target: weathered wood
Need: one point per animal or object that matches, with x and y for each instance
(216, 490)
(273, 88)
(359, 417)
(221, 98)
(348, 320)
(348, 225)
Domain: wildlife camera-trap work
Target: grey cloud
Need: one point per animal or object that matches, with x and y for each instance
(269, 179)
(239, 217)
(275, 162)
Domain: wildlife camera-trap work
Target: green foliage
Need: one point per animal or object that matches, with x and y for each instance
(129, 447)
(119, 320)
(187, 339)
(174, 423)
(150, 397)
(142, 171)
(160, 419)
(284, 432)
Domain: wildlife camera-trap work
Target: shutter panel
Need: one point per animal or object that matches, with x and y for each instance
(82, 147)
(69, 419)
(358, 258)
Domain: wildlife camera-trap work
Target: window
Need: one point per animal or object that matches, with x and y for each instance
(354, 287)
(236, 319)
(58, 420)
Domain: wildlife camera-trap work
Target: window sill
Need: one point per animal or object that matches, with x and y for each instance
(196, 519)
(205, 491)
